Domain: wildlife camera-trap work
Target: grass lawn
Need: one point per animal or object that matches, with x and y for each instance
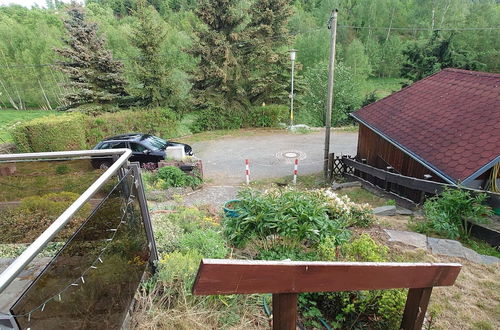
(382, 86)
(11, 117)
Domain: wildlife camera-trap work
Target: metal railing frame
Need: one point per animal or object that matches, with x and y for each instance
(11, 272)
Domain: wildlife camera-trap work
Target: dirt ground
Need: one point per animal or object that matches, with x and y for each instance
(472, 303)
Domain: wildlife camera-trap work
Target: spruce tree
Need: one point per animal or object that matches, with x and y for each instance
(148, 36)
(217, 80)
(94, 77)
(267, 57)
(424, 59)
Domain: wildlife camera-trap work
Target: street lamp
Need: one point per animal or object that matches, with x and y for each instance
(293, 53)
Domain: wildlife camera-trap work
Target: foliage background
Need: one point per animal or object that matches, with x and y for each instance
(376, 39)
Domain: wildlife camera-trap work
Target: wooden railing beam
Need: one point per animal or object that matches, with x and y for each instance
(286, 279)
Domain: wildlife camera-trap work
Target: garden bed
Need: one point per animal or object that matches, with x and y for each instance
(315, 224)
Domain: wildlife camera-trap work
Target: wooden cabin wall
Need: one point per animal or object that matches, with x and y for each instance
(380, 153)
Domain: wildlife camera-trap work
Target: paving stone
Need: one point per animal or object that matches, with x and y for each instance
(490, 259)
(337, 186)
(453, 248)
(407, 237)
(385, 210)
(403, 211)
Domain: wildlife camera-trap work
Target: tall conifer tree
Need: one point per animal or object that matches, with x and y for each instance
(217, 80)
(267, 59)
(94, 77)
(148, 36)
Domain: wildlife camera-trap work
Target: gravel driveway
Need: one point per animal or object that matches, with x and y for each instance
(271, 154)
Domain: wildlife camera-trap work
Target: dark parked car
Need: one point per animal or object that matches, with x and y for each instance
(145, 148)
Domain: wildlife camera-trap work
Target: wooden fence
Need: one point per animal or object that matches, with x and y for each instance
(408, 191)
(410, 188)
(286, 279)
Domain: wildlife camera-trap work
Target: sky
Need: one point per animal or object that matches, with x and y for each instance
(27, 3)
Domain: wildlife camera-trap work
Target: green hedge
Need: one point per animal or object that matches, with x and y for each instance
(78, 131)
(217, 117)
(161, 122)
(267, 116)
(51, 133)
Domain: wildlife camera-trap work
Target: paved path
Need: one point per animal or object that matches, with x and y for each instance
(271, 154)
(439, 246)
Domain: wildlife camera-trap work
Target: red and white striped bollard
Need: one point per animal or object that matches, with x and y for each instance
(247, 171)
(295, 170)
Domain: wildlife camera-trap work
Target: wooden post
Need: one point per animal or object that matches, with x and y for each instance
(387, 183)
(332, 25)
(364, 176)
(427, 177)
(331, 166)
(284, 311)
(415, 308)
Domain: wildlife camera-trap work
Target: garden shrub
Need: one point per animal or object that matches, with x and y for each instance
(208, 242)
(267, 116)
(160, 121)
(341, 206)
(52, 204)
(166, 234)
(63, 169)
(177, 270)
(80, 131)
(304, 216)
(378, 309)
(190, 219)
(448, 213)
(216, 117)
(172, 176)
(51, 133)
(364, 248)
(285, 251)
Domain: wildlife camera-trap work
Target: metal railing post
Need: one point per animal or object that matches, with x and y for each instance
(145, 213)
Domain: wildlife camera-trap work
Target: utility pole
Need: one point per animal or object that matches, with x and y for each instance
(332, 25)
(293, 53)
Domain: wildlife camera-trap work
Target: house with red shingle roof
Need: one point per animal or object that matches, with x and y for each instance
(446, 125)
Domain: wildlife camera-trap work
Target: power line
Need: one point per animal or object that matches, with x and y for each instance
(243, 45)
(420, 28)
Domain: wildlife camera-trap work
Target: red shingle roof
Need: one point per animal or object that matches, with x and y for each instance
(450, 121)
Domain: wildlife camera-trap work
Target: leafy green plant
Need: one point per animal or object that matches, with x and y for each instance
(364, 248)
(302, 216)
(177, 270)
(62, 169)
(174, 177)
(305, 216)
(52, 204)
(447, 214)
(51, 133)
(208, 242)
(266, 115)
(379, 309)
(167, 234)
(286, 251)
